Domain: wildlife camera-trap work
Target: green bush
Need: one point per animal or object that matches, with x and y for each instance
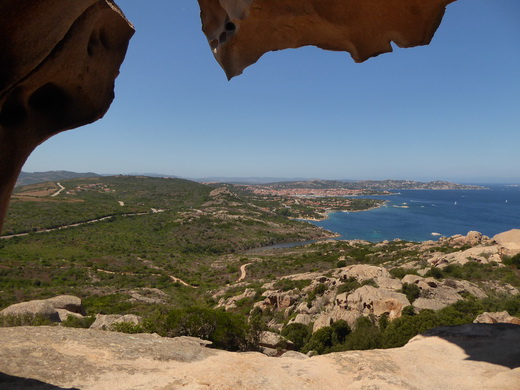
(369, 282)
(24, 320)
(366, 335)
(289, 284)
(411, 290)
(401, 330)
(513, 261)
(324, 339)
(348, 285)
(225, 330)
(78, 322)
(317, 291)
(434, 272)
(320, 341)
(400, 272)
(299, 334)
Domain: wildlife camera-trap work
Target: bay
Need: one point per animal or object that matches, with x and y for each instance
(421, 215)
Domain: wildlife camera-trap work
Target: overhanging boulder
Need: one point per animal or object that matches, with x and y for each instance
(239, 32)
(58, 63)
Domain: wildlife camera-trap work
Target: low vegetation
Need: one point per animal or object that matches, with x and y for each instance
(173, 251)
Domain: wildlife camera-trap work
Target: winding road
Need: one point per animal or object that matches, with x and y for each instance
(243, 272)
(72, 225)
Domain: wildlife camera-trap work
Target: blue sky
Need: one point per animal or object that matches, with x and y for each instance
(449, 111)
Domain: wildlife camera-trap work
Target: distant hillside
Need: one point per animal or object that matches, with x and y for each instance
(382, 185)
(246, 180)
(27, 178)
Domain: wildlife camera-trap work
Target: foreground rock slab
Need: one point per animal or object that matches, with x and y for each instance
(473, 356)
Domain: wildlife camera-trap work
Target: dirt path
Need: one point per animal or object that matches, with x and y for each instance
(243, 272)
(73, 225)
(59, 191)
(151, 265)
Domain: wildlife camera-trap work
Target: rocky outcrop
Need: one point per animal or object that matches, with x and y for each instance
(32, 308)
(364, 272)
(369, 300)
(58, 62)
(327, 318)
(107, 321)
(56, 309)
(509, 241)
(436, 294)
(239, 32)
(479, 254)
(273, 344)
(465, 358)
(497, 317)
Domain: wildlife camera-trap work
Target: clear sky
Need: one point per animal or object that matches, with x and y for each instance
(448, 111)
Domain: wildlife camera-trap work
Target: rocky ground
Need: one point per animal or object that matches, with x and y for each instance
(388, 280)
(353, 291)
(475, 356)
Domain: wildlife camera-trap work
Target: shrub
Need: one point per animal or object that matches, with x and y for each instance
(366, 335)
(24, 320)
(299, 334)
(411, 290)
(408, 311)
(369, 282)
(400, 272)
(320, 341)
(226, 330)
(400, 330)
(340, 331)
(325, 339)
(435, 273)
(289, 284)
(317, 291)
(348, 285)
(78, 322)
(513, 261)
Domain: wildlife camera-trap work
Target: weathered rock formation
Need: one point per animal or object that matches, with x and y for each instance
(496, 318)
(335, 302)
(55, 309)
(58, 63)
(239, 32)
(107, 321)
(509, 241)
(473, 356)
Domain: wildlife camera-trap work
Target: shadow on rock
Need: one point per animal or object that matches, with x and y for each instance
(492, 343)
(9, 382)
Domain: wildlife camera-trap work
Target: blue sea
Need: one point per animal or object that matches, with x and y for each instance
(420, 215)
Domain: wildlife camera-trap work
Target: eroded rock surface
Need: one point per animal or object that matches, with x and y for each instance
(239, 32)
(473, 356)
(58, 63)
(55, 309)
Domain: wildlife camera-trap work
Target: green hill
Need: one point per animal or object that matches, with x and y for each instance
(26, 178)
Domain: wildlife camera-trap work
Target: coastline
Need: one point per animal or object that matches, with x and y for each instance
(327, 214)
